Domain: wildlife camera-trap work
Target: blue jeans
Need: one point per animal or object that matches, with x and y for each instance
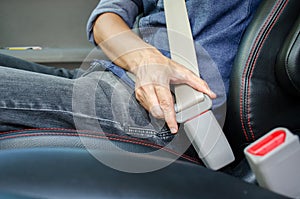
(38, 96)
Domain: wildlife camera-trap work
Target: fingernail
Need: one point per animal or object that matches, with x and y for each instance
(213, 94)
(173, 130)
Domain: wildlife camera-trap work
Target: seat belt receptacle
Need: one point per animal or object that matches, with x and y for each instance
(275, 161)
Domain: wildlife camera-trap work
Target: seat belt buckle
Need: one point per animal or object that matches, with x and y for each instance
(206, 135)
(275, 161)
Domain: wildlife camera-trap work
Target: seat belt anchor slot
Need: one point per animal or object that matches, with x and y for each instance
(275, 159)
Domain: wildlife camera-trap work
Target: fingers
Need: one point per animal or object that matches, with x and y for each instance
(152, 87)
(167, 105)
(158, 101)
(148, 99)
(200, 85)
(188, 77)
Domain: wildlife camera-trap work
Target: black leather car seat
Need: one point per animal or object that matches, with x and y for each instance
(53, 163)
(265, 81)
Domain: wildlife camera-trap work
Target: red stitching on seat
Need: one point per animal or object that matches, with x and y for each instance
(248, 100)
(65, 129)
(114, 138)
(252, 69)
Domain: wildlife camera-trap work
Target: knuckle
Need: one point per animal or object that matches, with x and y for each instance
(166, 105)
(205, 84)
(138, 94)
(185, 76)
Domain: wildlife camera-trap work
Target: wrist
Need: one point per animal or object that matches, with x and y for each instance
(139, 57)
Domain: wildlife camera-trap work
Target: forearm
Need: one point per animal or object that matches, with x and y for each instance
(119, 43)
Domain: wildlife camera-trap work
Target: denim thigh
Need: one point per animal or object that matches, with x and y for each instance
(96, 100)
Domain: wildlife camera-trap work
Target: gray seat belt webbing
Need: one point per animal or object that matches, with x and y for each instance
(192, 107)
(182, 50)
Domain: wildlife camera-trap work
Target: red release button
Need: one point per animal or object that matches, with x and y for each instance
(268, 143)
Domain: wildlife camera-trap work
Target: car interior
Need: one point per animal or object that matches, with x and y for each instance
(54, 163)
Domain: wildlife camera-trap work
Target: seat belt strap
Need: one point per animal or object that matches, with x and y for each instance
(192, 107)
(182, 51)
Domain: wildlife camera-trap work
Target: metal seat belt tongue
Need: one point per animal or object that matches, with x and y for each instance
(192, 107)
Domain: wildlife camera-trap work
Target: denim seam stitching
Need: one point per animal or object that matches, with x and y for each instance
(63, 111)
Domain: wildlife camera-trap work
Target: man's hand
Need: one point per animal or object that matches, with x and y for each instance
(154, 75)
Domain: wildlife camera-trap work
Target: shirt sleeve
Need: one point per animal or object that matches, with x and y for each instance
(128, 10)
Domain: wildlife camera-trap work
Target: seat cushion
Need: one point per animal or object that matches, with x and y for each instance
(74, 173)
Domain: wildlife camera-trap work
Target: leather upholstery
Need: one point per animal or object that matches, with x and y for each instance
(83, 139)
(288, 62)
(74, 173)
(257, 101)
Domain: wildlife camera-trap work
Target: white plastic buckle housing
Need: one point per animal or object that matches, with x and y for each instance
(275, 161)
(194, 110)
(206, 135)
